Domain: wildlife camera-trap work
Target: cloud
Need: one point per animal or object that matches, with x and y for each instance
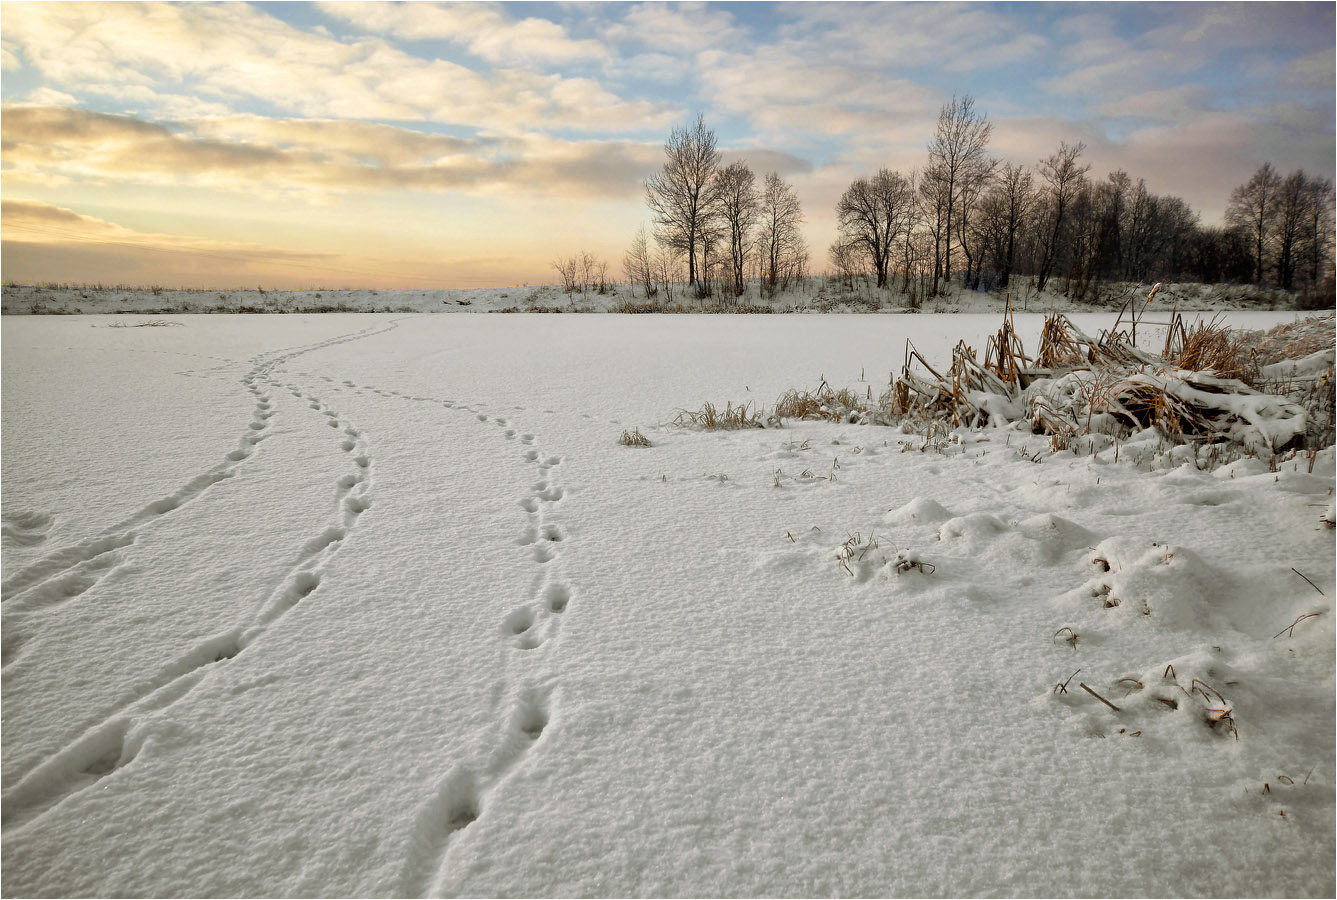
(149, 54)
(958, 36)
(1168, 105)
(1312, 72)
(258, 155)
(1129, 72)
(25, 221)
(484, 28)
(678, 28)
(45, 96)
(781, 92)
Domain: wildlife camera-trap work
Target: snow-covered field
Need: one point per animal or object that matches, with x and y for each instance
(813, 295)
(378, 605)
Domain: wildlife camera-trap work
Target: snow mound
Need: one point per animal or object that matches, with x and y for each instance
(920, 509)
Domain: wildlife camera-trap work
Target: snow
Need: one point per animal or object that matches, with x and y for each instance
(814, 295)
(369, 605)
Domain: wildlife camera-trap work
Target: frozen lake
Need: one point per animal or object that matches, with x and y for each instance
(372, 605)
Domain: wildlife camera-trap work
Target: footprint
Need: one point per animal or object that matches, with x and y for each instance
(552, 461)
(531, 715)
(358, 505)
(482, 418)
(544, 554)
(519, 620)
(527, 537)
(557, 597)
(331, 535)
(531, 455)
(552, 533)
(530, 505)
(510, 433)
(347, 446)
(526, 439)
(362, 461)
(552, 494)
(26, 529)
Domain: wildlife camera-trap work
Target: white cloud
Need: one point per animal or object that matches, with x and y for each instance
(1176, 104)
(681, 28)
(484, 28)
(45, 96)
(123, 50)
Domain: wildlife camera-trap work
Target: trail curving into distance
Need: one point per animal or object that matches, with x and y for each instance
(65, 574)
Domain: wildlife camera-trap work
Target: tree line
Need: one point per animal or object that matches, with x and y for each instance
(970, 219)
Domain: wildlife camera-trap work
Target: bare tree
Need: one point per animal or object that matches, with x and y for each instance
(1008, 207)
(1291, 220)
(932, 211)
(638, 265)
(582, 272)
(1318, 232)
(957, 159)
(667, 264)
(1252, 209)
(1065, 180)
(682, 195)
(874, 214)
(844, 257)
(781, 245)
(568, 267)
(740, 205)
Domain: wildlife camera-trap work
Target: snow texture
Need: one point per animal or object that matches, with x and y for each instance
(376, 605)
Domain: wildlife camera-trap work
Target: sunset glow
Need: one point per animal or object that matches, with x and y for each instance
(430, 145)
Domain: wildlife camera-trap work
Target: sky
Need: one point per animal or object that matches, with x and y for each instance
(425, 145)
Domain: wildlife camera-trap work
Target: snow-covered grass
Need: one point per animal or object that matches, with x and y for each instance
(382, 605)
(816, 294)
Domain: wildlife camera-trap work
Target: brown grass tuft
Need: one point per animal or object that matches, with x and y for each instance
(711, 418)
(634, 438)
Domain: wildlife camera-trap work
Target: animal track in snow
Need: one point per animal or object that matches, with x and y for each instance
(557, 596)
(26, 529)
(530, 716)
(68, 573)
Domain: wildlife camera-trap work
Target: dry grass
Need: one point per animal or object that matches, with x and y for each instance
(711, 418)
(1209, 347)
(1291, 340)
(634, 438)
(823, 404)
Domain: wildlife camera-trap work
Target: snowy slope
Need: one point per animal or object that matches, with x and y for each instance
(377, 605)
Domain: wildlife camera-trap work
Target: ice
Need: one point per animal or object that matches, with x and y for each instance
(429, 629)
